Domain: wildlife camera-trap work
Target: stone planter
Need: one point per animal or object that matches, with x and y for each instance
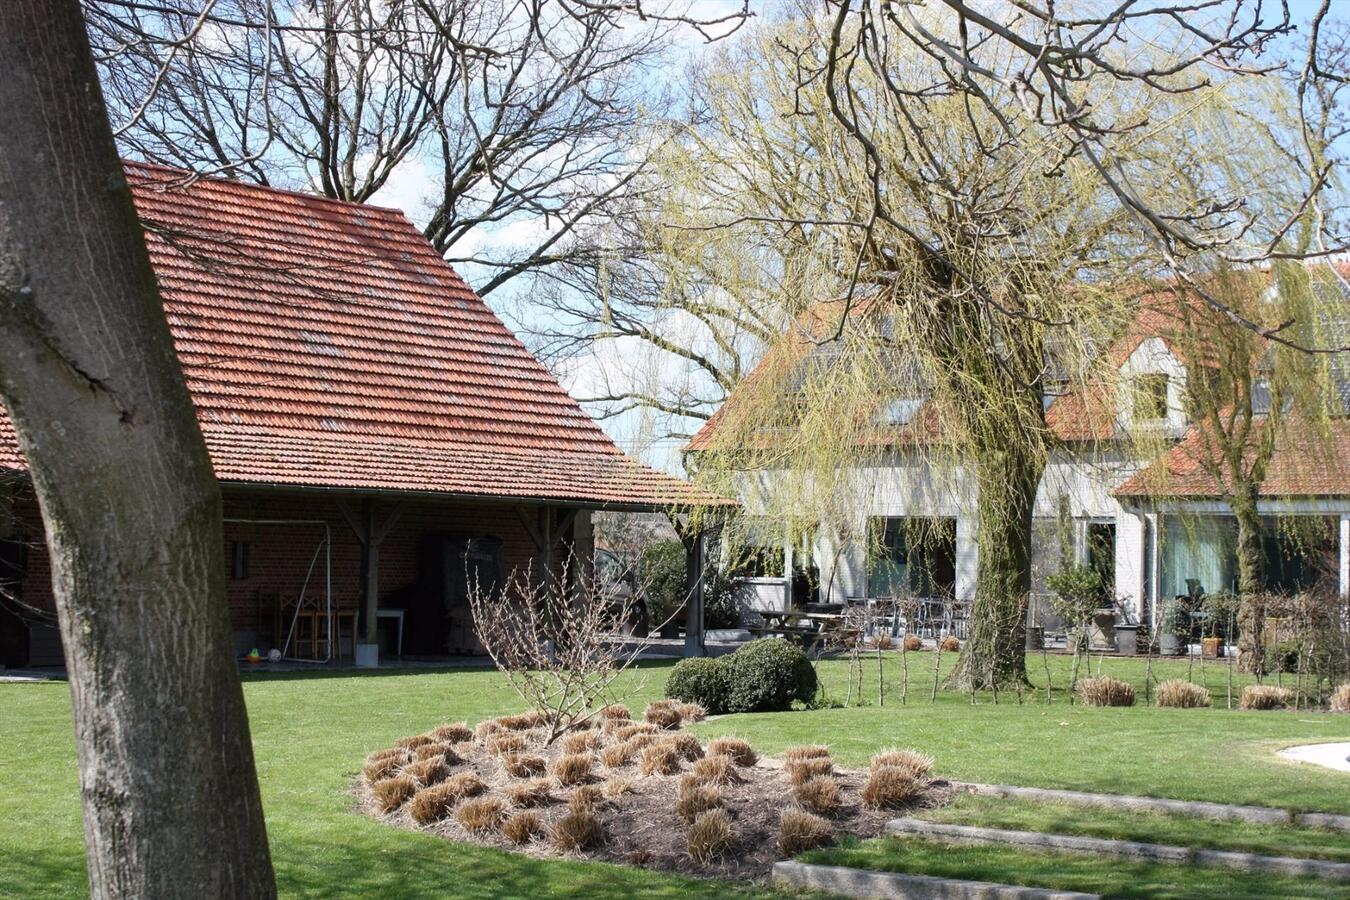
(1127, 640)
(1169, 645)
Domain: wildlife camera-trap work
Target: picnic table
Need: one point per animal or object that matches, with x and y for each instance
(807, 627)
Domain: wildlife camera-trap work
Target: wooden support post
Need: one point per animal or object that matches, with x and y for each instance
(694, 644)
(370, 564)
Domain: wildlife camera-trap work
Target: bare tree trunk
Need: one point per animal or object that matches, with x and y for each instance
(1250, 565)
(131, 507)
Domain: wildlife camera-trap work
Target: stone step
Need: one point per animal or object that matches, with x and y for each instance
(845, 882)
(1247, 862)
(1257, 815)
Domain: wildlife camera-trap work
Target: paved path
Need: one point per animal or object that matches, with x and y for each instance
(1333, 756)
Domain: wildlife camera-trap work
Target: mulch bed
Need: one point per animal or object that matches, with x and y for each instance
(641, 826)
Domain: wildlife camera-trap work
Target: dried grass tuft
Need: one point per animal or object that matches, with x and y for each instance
(800, 770)
(643, 741)
(659, 759)
(717, 770)
(522, 827)
(818, 795)
(581, 741)
(386, 753)
(441, 750)
(740, 752)
(428, 771)
(889, 787)
(686, 745)
(455, 733)
(695, 798)
(481, 815)
(573, 768)
(628, 732)
(522, 721)
(711, 837)
(433, 803)
(486, 729)
(578, 830)
(464, 784)
(950, 644)
(913, 643)
(885, 642)
(800, 831)
(506, 742)
(1178, 694)
(1265, 696)
(666, 717)
(1104, 690)
(617, 755)
(524, 765)
(910, 760)
(615, 712)
(808, 751)
(385, 766)
(415, 741)
(617, 786)
(535, 792)
(1340, 698)
(588, 796)
(391, 793)
(691, 712)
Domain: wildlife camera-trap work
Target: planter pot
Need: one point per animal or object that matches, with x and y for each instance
(1127, 640)
(1035, 637)
(1212, 647)
(1102, 633)
(1169, 645)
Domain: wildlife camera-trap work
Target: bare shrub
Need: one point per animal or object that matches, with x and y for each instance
(506, 742)
(800, 831)
(687, 745)
(428, 771)
(913, 643)
(799, 770)
(691, 712)
(628, 732)
(666, 717)
(695, 798)
(888, 787)
(391, 793)
(455, 733)
(1340, 698)
(415, 741)
(481, 815)
(740, 752)
(911, 760)
(551, 635)
(581, 741)
(524, 765)
(433, 803)
(522, 827)
(950, 644)
(534, 792)
(711, 837)
(578, 830)
(616, 755)
(809, 751)
(1265, 696)
(717, 770)
(573, 768)
(615, 712)
(1103, 690)
(1180, 694)
(818, 795)
(659, 759)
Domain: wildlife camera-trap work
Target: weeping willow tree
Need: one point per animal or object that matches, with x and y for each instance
(927, 336)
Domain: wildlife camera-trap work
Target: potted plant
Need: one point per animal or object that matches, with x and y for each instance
(1173, 630)
(1077, 595)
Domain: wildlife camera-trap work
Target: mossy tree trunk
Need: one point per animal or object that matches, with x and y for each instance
(132, 510)
(1250, 575)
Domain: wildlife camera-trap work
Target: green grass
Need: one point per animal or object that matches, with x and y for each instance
(1067, 871)
(311, 733)
(1156, 828)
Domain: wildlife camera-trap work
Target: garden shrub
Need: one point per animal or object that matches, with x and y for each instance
(1104, 690)
(701, 680)
(1265, 696)
(1340, 698)
(819, 794)
(800, 831)
(661, 570)
(1179, 694)
(711, 836)
(720, 609)
(767, 676)
(740, 752)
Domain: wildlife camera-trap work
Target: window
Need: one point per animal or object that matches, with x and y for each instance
(912, 555)
(239, 560)
(1150, 397)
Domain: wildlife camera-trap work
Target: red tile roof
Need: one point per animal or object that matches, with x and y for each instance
(1307, 462)
(326, 344)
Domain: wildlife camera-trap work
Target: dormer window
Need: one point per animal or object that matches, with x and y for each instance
(1150, 397)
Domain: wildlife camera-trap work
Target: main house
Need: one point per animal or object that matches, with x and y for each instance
(1155, 526)
(381, 438)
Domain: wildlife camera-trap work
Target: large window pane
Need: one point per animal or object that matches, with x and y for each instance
(1197, 555)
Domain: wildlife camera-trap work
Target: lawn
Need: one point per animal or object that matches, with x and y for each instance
(312, 731)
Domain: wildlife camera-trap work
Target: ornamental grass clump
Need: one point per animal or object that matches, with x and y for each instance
(717, 770)
(577, 830)
(464, 784)
(818, 795)
(950, 644)
(799, 770)
(738, 751)
(885, 642)
(615, 712)
(581, 741)
(428, 771)
(522, 721)
(687, 745)
(587, 796)
(642, 741)
(691, 712)
(522, 827)
(507, 742)
(910, 760)
(799, 831)
(913, 643)
(666, 717)
(659, 759)
(454, 733)
(1340, 698)
(433, 803)
(534, 792)
(573, 768)
(1103, 690)
(444, 751)
(710, 836)
(617, 786)
(618, 755)
(391, 793)
(415, 741)
(379, 768)
(890, 787)
(808, 751)
(481, 815)
(628, 732)
(524, 765)
(1265, 696)
(1178, 694)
